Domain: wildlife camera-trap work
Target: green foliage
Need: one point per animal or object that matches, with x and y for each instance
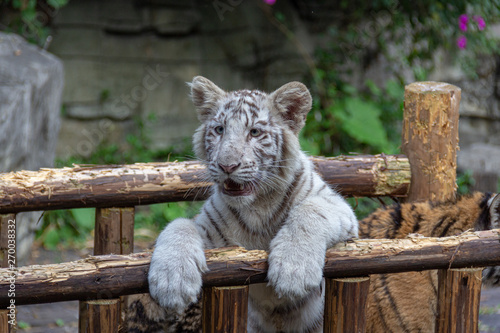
(23, 325)
(407, 34)
(155, 217)
(465, 181)
(30, 18)
(356, 121)
(62, 228)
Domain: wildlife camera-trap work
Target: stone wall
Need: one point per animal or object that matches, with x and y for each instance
(127, 59)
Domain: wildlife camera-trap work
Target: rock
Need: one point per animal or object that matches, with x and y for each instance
(31, 84)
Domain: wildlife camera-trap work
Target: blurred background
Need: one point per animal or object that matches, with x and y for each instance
(104, 82)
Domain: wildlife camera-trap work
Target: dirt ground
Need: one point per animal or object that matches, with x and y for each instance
(62, 317)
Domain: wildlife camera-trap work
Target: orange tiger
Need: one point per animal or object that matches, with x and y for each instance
(407, 302)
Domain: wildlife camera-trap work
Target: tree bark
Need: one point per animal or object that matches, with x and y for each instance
(225, 309)
(430, 139)
(460, 290)
(115, 275)
(101, 316)
(346, 310)
(148, 183)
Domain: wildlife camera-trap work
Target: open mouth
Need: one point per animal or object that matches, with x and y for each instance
(233, 188)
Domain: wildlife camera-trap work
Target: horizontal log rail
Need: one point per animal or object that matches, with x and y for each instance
(110, 276)
(148, 183)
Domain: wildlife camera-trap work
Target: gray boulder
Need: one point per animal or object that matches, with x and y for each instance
(31, 84)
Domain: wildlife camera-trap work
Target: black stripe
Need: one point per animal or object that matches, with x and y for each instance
(207, 234)
(451, 222)
(212, 221)
(483, 221)
(241, 222)
(395, 215)
(438, 225)
(380, 309)
(287, 200)
(392, 303)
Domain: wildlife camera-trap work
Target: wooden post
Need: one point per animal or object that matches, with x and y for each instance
(114, 233)
(345, 305)
(225, 309)
(102, 316)
(430, 140)
(7, 222)
(462, 289)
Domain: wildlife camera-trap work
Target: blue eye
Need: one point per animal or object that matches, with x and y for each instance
(255, 132)
(219, 129)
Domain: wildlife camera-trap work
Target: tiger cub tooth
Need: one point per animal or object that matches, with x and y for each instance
(241, 187)
(226, 187)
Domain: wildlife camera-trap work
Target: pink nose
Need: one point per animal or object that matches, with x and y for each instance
(229, 168)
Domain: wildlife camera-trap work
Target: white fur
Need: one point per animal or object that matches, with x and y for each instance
(294, 216)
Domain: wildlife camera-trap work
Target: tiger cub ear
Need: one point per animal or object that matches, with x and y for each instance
(292, 102)
(205, 96)
(495, 211)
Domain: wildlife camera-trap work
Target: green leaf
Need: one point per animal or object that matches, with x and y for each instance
(57, 3)
(84, 217)
(394, 89)
(51, 239)
(362, 122)
(373, 88)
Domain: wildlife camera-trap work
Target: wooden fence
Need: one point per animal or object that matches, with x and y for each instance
(430, 141)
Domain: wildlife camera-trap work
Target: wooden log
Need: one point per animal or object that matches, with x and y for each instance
(461, 288)
(225, 309)
(430, 139)
(148, 183)
(102, 316)
(345, 305)
(117, 275)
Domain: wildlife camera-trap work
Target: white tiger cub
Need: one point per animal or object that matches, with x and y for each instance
(266, 195)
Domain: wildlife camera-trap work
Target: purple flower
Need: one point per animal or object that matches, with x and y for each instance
(462, 42)
(462, 22)
(480, 22)
(270, 2)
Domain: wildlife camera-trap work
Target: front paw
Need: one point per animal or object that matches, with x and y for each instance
(293, 274)
(177, 264)
(176, 282)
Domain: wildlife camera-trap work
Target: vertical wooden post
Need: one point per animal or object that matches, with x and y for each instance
(462, 289)
(7, 222)
(102, 315)
(225, 309)
(345, 305)
(430, 140)
(114, 233)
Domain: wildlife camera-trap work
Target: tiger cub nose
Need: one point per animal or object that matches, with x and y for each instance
(229, 168)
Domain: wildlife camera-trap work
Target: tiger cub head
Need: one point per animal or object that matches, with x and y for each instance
(249, 139)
